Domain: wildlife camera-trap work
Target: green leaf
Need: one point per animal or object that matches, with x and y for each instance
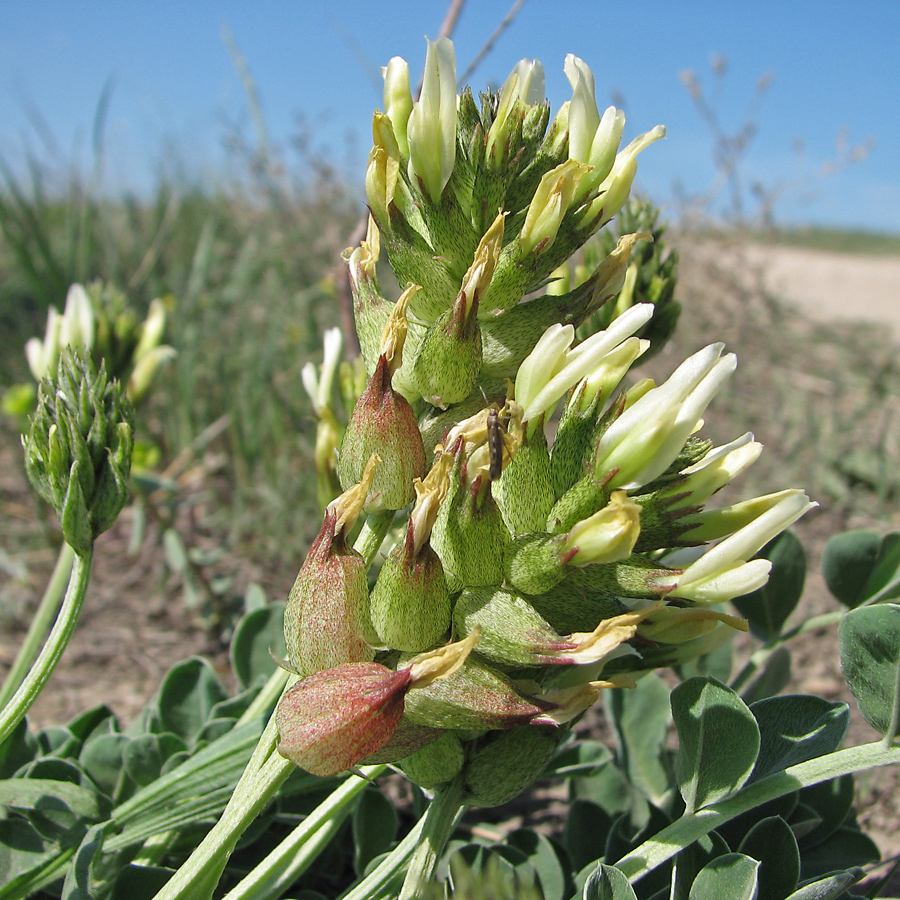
(870, 659)
(771, 679)
(796, 728)
(830, 887)
(733, 876)
(99, 720)
(374, 827)
(17, 750)
(773, 844)
(629, 832)
(581, 758)
(257, 636)
(22, 849)
(692, 859)
(826, 806)
(101, 761)
(847, 848)
(585, 831)
(544, 860)
(736, 830)
(768, 608)
(80, 879)
(859, 564)
(641, 719)
(188, 693)
(140, 882)
(144, 757)
(46, 796)
(719, 741)
(608, 883)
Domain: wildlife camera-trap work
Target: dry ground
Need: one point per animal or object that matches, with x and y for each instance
(135, 625)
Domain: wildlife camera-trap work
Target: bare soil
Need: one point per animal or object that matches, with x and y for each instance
(135, 625)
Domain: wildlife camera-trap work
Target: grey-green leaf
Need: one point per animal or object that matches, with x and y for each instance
(828, 888)
(733, 876)
(772, 842)
(608, 883)
(796, 728)
(188, 693)
(870, 658)
(258, 635)
(544, 860)
(719, 741)
(859, 564)
(768, 608)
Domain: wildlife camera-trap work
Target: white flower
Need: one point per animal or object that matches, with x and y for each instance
(554, 365)
(643, 442)
(431, 129)
(723, 572)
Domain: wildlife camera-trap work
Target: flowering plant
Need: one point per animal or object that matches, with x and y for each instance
(514, 528)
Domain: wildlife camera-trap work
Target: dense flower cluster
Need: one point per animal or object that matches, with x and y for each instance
(530, 574)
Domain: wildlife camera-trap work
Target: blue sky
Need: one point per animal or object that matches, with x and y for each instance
(836, 68)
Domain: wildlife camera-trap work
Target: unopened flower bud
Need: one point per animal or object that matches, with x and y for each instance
(505, 764)
(469, 534)
(383, 423)
(431, 128)
(523, 88)
(326, 620)
(438, 762)
(549, 206)
(474, 697)
(78, 449)
(398, 101)
(410, 603)
(514, 633)
(607, 536)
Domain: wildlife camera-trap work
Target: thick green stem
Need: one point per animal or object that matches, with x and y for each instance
(440, 820)
(41, 623)
(39, 673)
(278, 871)
(680, 834)
(264, 775)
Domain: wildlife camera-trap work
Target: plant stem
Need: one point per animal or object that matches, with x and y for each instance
(63, 628)
(672, 839)
(278, 871)
(41, 623)
(440, 819)
(374, 883)
(265, 773)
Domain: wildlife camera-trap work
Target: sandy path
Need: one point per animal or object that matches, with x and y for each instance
(832, 286)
